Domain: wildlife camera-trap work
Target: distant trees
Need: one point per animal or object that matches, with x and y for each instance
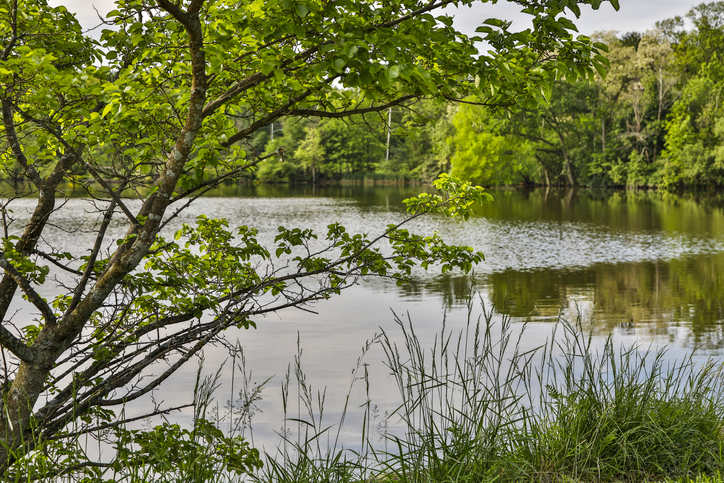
(330, 149)
(655, 119)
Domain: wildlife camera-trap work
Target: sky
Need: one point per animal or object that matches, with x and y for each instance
(634, 15)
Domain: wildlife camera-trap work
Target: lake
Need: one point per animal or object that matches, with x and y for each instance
(646, 267)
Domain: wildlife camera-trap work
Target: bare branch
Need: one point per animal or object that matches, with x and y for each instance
(83, 282)
(174, 367)
(15, 345)
(30, 292)
(117, 423)
(111, 192)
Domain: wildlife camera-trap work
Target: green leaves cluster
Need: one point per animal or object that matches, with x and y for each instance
(457, 198)
(484, 151)
(25, 266)
(209, 267)
(174, 453)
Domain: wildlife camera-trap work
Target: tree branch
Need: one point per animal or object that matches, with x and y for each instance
(17, 150)
(111, 192)
(351, 112)
(32, 295)
(115, 424)
(16, 346)
(80, 288)
(212, 183)
(277, 113)
(13, 40)
(254, 80)
(55, 262)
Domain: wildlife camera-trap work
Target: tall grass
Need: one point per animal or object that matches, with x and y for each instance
(317, 455)
(626, 414)
(461, 402)
(475, 407)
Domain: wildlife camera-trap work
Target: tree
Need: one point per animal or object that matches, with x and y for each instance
(694, 154)
(351, 146)
(482, 154)
(160, 108)
(633, 102)
(558, 132)
(310, 152)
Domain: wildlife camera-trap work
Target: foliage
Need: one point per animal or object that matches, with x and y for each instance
(163, 108)
(484, 153)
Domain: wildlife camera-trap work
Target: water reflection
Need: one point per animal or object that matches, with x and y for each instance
(680, 301)
(634, 211)
(648, 264)
(651, 296)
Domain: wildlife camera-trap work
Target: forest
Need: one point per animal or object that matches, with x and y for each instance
(654, 120)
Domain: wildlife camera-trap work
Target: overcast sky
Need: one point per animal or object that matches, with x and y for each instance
(638, 15)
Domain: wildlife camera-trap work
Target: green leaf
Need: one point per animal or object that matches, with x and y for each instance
(302, 10)
(267, 67)
(338, 65)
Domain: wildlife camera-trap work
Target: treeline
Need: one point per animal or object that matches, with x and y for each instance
(404, 143)
(656, 119)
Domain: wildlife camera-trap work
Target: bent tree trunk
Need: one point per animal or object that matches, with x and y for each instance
(569, 169)
(59, 333)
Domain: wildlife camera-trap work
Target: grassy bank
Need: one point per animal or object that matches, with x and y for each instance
(474, 407)
(477, 408)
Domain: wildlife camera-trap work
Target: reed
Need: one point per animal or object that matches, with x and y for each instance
(475, 407)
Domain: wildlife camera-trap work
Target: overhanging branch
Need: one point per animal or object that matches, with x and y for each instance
(30, 292)
(351, 112)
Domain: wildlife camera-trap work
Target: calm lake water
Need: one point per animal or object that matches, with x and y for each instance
(645, 267)
(648, 264)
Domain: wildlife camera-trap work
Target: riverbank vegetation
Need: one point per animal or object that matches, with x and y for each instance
(481, 405)
(477, 406)
(655, 120)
